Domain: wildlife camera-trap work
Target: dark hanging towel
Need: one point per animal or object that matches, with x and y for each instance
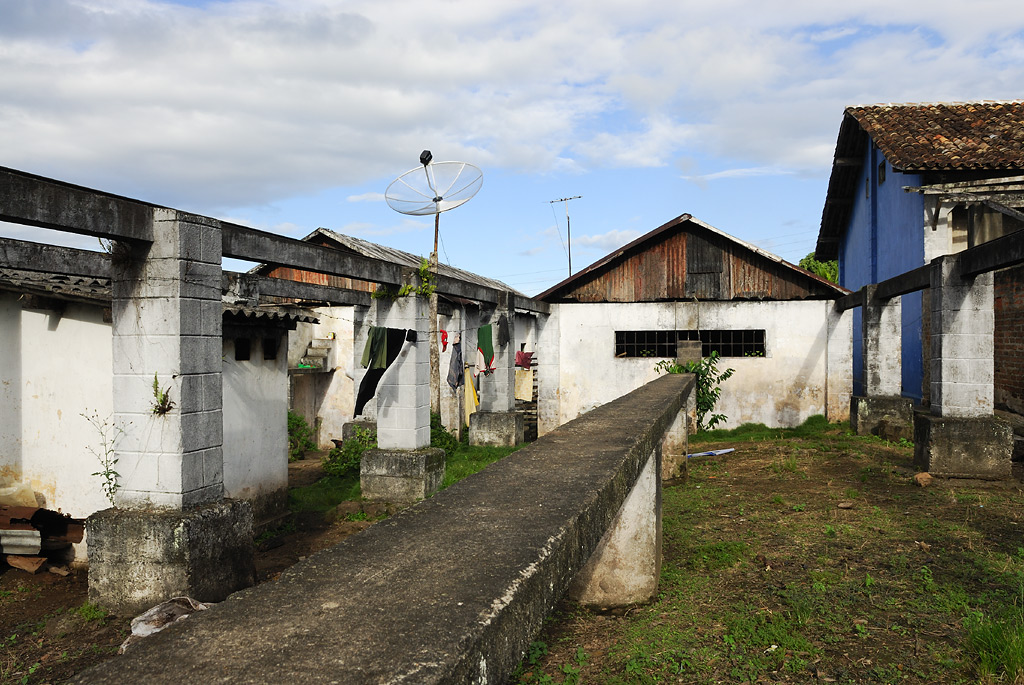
(381, 344)
(456, 377)
(503, 335)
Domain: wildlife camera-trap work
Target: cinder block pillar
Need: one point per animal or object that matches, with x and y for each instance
(961, 436)
(404, 467)
(625, 567)
(881, 409)
(167, 335)
(496, 421)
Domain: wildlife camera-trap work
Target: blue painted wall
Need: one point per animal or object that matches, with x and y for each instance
(884, 238)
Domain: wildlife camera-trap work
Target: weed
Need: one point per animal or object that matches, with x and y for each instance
(927, 581)
(852, 493)
(110, 433)
(718, 555)
(300, 436)
(777, 499)
(92, 612)
(708, 390)
(830, 531)
(799, 507)
(357, 516)
(161, 398)
(997, 644)
(344, 460)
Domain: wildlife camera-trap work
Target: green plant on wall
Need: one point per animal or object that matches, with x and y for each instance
(161, 398)
(426, 287)
(708, 388)
(110, 434)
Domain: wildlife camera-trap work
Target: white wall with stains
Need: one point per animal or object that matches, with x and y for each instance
(783, 388)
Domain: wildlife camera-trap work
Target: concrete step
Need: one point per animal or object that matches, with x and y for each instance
(322, 343)
(317, 352)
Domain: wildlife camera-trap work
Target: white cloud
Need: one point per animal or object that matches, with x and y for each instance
(740, 173)
(366, 197)
(606, 242)
(243, 103)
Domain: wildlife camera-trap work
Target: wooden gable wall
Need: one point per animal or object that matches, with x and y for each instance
(301, 276)
(689, 263)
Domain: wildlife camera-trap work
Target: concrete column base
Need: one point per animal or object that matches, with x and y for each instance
(401, 475)
(138, 559)
(673, 448)
(503, 429)
(957, 447)
(625, 567)
(887, 416)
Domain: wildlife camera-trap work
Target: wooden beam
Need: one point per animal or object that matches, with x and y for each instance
(995, 254)
(37, 201)
(28, 256)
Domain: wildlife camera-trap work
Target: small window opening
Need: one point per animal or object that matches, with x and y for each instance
(881, 173)
(242, 349)
(269, 349)
(727, 343)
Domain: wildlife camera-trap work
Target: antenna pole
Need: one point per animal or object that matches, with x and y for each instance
(568, 230)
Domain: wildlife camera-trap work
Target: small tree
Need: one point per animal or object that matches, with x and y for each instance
(827, 270)
(709, 378)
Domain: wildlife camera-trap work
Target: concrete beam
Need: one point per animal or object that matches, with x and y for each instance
(995, 254)
(282, 287)
(29, 256)
(37, 201)
(855, 299)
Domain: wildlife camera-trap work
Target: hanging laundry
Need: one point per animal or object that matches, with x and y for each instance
(382, 348)
(444, 340)
(472, 399)
(524, 359)
(484, 350)
(524, 385)
(503, 334)
(455, 376)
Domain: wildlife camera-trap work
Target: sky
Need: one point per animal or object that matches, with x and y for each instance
(288, 115)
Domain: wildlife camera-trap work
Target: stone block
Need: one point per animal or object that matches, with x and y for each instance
(138, 559)
(403, 438)
(496, 428)
(348, 430)
(867, 413)
(688, 351)
(401, 475)
(962, 447)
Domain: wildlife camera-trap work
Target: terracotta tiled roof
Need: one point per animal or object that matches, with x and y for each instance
(946, 136)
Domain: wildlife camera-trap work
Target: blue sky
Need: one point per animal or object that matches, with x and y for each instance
(293, 114)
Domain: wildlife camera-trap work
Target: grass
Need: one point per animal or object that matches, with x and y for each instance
(765, 579)
(330, 491)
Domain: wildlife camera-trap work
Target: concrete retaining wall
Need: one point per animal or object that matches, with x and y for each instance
(450, 590)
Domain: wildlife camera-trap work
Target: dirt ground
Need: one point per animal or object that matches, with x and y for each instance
(47, 637)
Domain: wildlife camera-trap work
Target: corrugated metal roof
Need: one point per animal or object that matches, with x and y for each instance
(396, 256)
(97, 291)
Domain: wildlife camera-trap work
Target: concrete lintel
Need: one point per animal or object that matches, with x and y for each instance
(246, 284)
(38, 201)
(878, 414)
(401, 475)
(496, 428)
(29, 256)
(138, 559)
(958, 447)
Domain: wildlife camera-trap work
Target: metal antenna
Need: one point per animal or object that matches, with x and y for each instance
(568, 233)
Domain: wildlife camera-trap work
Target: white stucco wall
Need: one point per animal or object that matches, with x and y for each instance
(783, 388)
(255, 420)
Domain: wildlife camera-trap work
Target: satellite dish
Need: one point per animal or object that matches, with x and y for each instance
(434, 187)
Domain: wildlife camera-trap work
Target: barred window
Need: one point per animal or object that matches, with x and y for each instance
(727, 343)
(645, 343)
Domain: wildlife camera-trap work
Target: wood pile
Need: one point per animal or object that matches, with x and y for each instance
(28, 534)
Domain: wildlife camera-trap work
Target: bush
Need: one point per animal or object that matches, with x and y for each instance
(343, 460)
(440, 437)
(708, 391)
(300, 437)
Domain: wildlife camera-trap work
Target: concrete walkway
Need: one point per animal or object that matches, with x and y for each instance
(450, 590)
